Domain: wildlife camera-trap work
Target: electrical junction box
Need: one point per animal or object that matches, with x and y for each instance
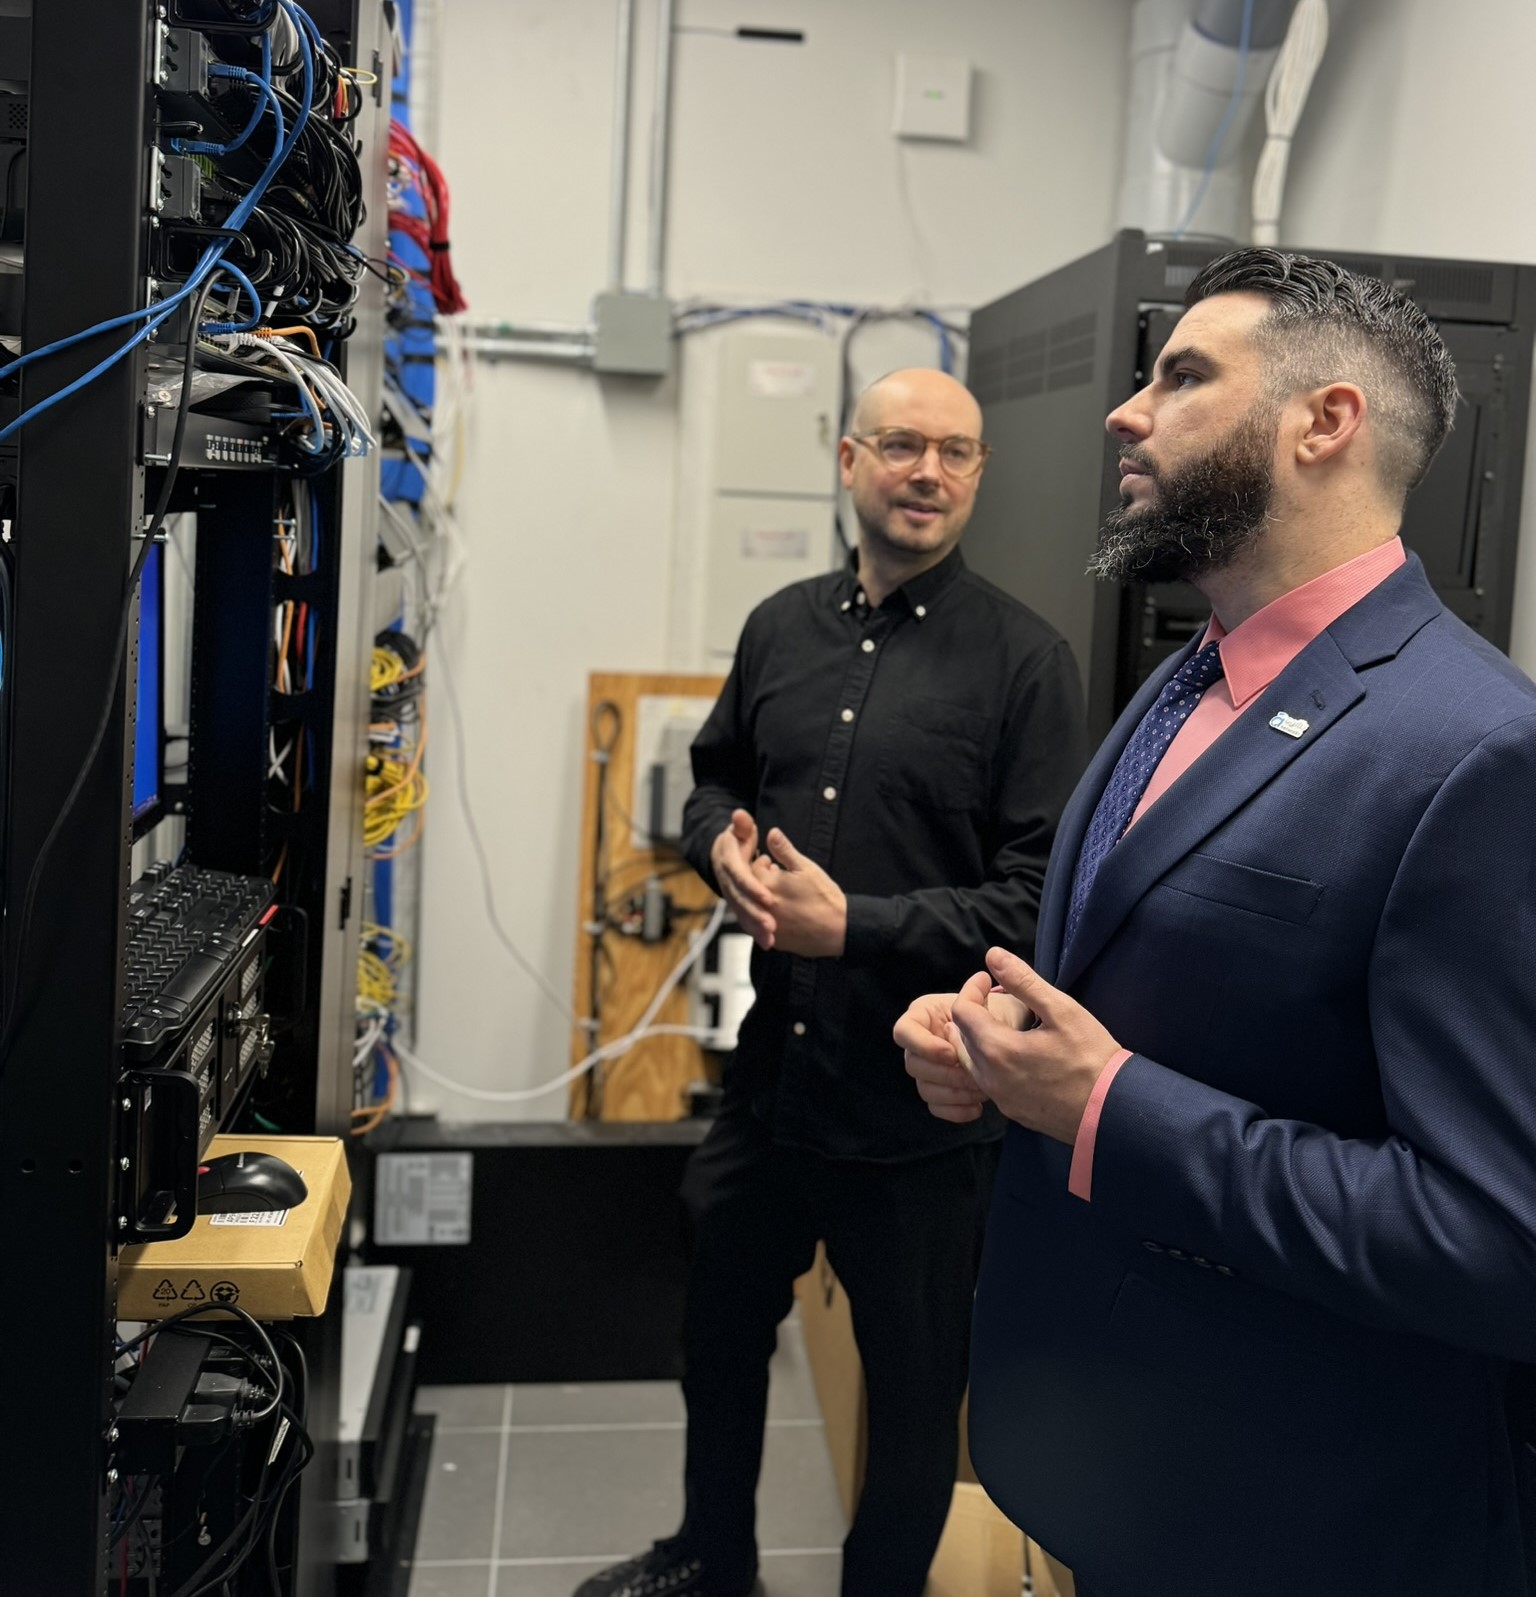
(634, 334)
(933, 97)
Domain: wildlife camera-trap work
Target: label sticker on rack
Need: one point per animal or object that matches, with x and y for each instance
(422, 1198)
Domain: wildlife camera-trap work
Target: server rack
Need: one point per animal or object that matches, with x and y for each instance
(1051, 360)
(79, 474)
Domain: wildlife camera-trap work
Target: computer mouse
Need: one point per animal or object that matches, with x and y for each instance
(237, 1182)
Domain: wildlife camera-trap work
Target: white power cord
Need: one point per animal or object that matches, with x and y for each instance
(1285, 98)
(612, 1050)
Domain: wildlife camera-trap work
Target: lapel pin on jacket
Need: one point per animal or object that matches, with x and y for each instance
(1293, 726)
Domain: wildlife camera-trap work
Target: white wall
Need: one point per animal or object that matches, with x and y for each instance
(785, 182)
(1421, 139)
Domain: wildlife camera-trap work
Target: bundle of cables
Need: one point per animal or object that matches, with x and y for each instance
(324, 420)
(395, 785)
(376, 1069)
(412, 168)
(296, 244)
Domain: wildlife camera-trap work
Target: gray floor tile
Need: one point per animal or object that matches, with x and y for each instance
(459, 1406)
(466, 1580)
(801, 1575)
(581, 1494)
(544, 1580)
(797, 1503)
(458, 1517)
(791, 1392)
(601, 1403)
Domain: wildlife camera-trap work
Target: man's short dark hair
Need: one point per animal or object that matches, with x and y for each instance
(1327, 325)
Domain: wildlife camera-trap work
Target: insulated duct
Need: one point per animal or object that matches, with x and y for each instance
(1196, 82)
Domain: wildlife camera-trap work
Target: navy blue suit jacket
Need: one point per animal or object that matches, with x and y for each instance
(1270, 1355)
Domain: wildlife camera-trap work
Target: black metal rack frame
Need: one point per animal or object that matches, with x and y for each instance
(81, 501)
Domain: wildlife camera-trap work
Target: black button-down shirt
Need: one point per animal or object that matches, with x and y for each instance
(921, 753)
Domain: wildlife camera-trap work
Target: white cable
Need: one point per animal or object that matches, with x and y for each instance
(1285, 97)
(612, 1050)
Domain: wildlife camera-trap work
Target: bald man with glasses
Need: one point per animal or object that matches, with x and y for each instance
(877, 792)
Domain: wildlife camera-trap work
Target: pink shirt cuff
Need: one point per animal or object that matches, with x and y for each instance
(1080, 1181)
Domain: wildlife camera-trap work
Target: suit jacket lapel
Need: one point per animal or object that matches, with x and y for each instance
(1056, 895)
(1318, 686)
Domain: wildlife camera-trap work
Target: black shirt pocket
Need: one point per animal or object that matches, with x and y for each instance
(935, 756)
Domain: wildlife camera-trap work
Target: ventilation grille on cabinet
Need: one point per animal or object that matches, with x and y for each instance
(1044, 361)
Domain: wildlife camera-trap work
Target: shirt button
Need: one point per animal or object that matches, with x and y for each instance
(847, 715)
(845, 605)
(829, 793)
(868, 645)
(1223, 1269)
(1175, 1253)
(921, 611)
(1151, 1246)
(798, 1028)
(860, 597)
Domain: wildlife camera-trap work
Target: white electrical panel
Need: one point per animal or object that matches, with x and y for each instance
(933, 97)
(758, 545)
(777, 416)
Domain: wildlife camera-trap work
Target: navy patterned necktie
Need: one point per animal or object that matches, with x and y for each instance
(1133, 771)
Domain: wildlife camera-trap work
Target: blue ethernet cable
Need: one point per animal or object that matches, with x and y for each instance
(265, 97)
(86, 378)
(212, 257)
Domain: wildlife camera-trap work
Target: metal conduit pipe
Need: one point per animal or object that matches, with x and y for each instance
(661, 125)
(623, 72)
(571, 346)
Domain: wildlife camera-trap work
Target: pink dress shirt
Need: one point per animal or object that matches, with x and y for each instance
(1253, 654)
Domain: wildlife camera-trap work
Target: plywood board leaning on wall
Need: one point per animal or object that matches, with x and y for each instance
(650, 1082)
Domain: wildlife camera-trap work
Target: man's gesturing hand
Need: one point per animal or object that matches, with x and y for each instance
(943, 1082)
(810, 911)
(730, 857)
(1042, 1077)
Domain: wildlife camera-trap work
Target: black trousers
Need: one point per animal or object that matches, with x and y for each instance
(903, 1239)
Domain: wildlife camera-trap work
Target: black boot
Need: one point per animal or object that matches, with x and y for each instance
(667, 1570)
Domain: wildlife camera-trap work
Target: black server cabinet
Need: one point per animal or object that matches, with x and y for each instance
(72, 502)
(1051, 360)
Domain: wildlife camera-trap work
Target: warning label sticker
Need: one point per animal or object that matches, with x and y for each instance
(251, 1217)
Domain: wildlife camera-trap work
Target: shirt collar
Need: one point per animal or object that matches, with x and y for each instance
(1255, 652)
(917, 595)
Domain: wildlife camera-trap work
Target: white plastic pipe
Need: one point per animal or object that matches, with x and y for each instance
(1185, 67)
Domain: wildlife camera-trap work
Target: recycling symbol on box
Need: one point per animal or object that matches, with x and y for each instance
(166, 1292)
(225, 1292)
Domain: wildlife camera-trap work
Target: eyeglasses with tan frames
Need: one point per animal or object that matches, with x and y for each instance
(902, 448)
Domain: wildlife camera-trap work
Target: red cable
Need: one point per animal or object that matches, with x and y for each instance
(429, 234)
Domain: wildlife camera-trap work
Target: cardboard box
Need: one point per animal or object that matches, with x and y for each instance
(837, 1374)
(274, 1264)
(1047, 1577)
(982, 1551)
(978, 1537)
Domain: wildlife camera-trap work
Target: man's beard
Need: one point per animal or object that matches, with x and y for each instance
(1205, 514)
